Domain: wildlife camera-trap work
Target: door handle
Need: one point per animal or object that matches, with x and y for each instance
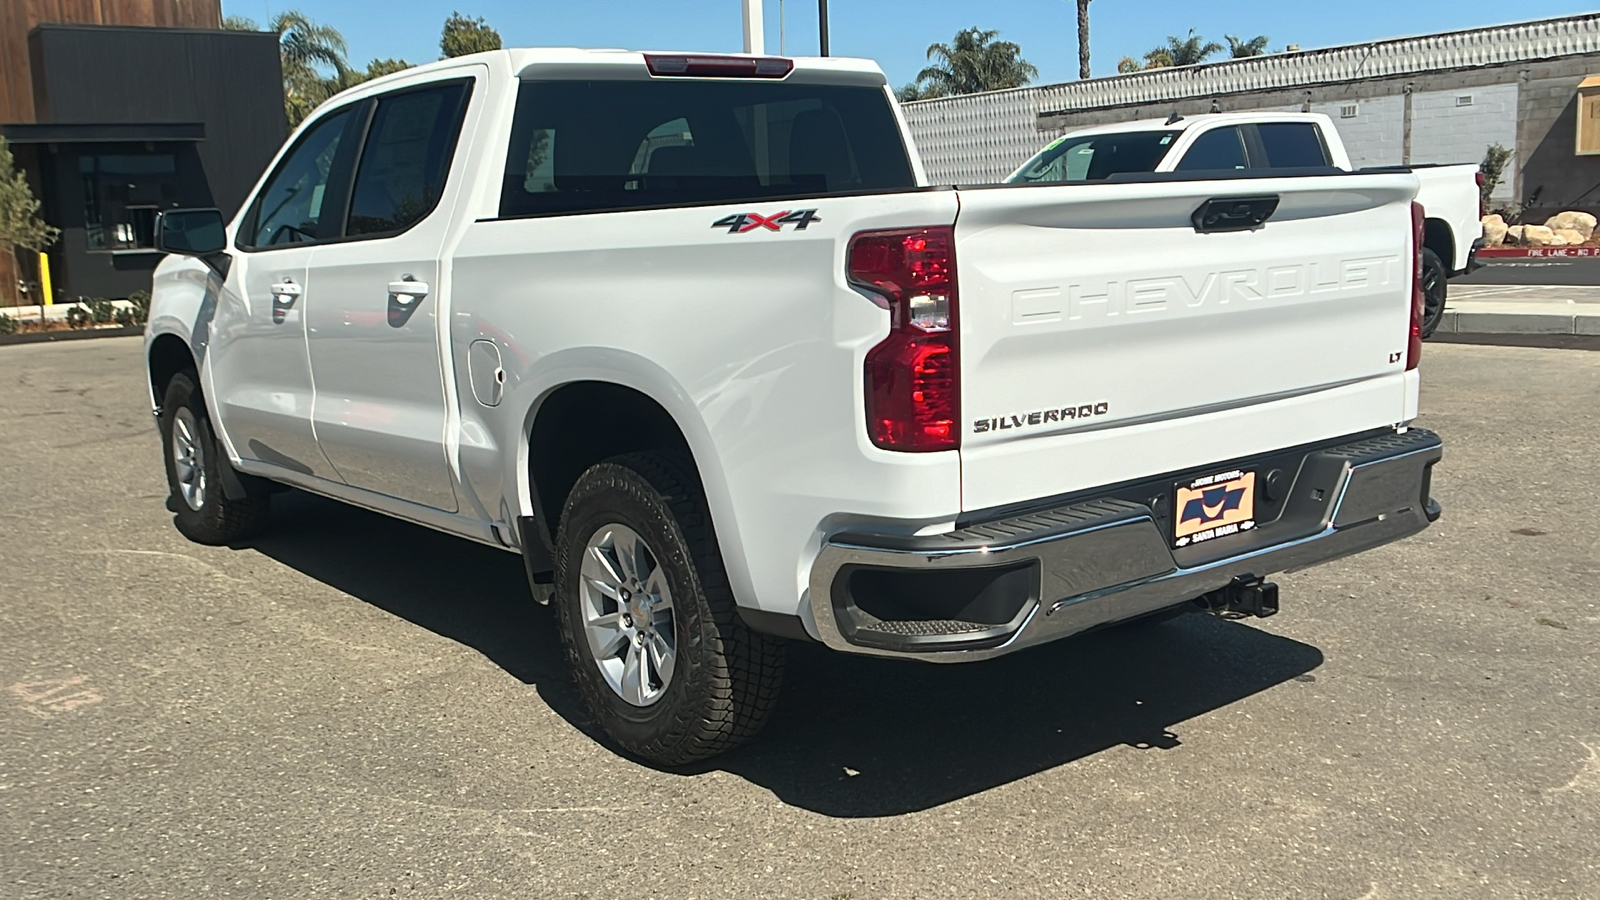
(285, 292)
(407, 289)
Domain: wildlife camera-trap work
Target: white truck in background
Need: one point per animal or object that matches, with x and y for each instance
(726, 371)
(1450, 194)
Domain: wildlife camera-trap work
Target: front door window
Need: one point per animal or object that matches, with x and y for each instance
(290, 209)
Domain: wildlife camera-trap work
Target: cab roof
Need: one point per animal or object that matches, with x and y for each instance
(574, 62)
(1197, 120)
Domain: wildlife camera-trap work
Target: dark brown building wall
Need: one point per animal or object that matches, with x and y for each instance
(18, 17)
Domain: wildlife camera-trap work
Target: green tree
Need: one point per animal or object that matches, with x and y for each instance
(1184, 51)
(1238, 48)
(974, 62)
(463, 35)
(914, 91)
(381, 67)
(313, 60)
(20, 225)
(375, 69)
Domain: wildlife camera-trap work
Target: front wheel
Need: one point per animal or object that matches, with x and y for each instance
(657, 649)
(194, 458)
(1434, 287)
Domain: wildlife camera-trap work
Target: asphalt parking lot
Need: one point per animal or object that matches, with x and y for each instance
(352, 707)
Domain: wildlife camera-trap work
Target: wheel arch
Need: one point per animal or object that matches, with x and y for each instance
(574, 426)
(168, 354)
(1440, 238)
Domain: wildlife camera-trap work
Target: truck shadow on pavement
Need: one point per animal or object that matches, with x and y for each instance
(852, 736)
(859, 737)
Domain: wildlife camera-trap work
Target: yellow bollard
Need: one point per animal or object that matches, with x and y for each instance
(44, 282)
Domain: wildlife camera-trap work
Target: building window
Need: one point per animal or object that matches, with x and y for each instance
(122, 193)
(1348, 111)
(1464, 100)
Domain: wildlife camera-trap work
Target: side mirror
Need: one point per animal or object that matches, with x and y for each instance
(192, 232)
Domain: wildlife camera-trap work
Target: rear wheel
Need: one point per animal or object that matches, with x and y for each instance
(1434, 287)
(657, 649)
(194, 458)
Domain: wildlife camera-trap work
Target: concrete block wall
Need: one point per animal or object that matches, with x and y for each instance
(1551, 176)
(1375, 135)
(1458, 125)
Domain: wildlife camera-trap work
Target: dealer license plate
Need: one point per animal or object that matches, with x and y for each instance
(1213, 506)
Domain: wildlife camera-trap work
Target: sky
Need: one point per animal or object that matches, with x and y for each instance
(896, 33)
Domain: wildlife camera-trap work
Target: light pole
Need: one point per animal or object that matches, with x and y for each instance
(822, 24)
(753, 38)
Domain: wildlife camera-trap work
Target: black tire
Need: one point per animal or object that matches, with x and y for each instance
(1435, 285)
(726, 677)
(214, 518)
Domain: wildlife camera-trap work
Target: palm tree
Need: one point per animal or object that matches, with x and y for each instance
(1187, 51)
(307, 50)
(1159, 58)
(1083, 38)
(1240, 49)
(974, 62)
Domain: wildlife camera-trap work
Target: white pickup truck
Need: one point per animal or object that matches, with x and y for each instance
(1450, 196)
(693, 336)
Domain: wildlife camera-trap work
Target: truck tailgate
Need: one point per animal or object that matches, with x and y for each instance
(1104, 338)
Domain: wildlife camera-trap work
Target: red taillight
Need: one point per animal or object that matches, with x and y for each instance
(719, 66)
(913, 377)
(1418, 301)
(1483, 208)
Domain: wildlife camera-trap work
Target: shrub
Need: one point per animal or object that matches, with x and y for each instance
(78, 316)
(8, 325)
(1493, 168)
(141, 306)
(100, 311)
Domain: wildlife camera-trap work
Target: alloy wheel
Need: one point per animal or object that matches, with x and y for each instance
(627, 614)
(189, 459)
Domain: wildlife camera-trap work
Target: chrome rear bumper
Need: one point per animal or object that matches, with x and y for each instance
(1049, 573)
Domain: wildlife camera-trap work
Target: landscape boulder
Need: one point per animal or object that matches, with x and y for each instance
(1513, 236)
(1572, 236)
(1581, 222)
(1541, 236)
(1494, 230)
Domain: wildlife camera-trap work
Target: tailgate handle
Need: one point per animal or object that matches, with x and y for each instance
(1234, 213)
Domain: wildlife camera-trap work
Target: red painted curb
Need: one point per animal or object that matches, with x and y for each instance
(1536, 252)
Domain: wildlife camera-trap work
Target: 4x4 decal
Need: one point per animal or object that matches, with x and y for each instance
(739, 223)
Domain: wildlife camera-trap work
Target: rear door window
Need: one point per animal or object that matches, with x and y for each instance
(1219, 148)
(406, 158)
(1291, 145)
(582, 146)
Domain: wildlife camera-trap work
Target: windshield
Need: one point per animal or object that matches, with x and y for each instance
(1091, 157)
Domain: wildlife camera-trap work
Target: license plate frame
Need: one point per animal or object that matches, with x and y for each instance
(1218, 505)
